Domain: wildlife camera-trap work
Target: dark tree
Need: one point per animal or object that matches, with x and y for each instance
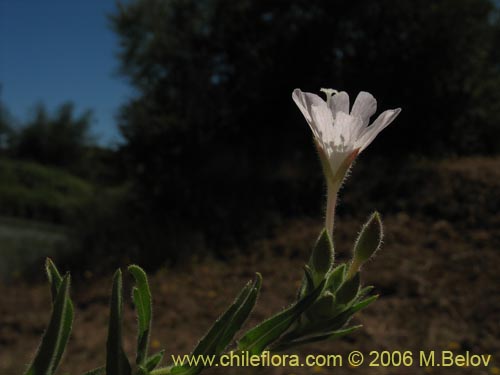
(212, 126)
(6, 129)
(57, 139)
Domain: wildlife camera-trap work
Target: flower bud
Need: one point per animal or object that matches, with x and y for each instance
(322, 256)
(369, 239)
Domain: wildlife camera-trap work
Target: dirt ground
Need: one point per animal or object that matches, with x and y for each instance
(438, 282)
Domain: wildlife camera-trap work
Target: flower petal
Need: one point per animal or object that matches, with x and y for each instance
(340, 103)
(382, 121)
(364, 107)
(346, 131)
(315, 111)
(299, 98)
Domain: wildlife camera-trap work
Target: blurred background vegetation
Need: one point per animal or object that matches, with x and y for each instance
(214, 152)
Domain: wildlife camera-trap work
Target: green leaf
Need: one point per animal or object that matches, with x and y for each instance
(54, 278)
(261, 336)
(322, 308)
(322, 256)
(364, 291)
(343, 317)
(56, 337)
(307, 282)
(309, 279)
(55, 281)
(348, 290)
(151, 362)
(208, 343)
(96, 371)
(240, 316)
(116, 360)
(363, 303)
(68, 319)
(335, 278)
(142, 301)
(332, 335)
(336, 322)
(223, 330)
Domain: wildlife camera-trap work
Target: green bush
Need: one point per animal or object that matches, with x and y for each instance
(32, 191)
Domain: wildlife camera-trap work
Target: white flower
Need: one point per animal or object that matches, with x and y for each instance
(339, 134)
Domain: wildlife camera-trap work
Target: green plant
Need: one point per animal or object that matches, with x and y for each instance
(328, 298)
(326, 301)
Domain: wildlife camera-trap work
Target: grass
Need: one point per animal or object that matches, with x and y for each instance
(37, 203)
(33, 191)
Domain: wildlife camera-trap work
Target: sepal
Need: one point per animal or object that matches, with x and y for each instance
(322, 257)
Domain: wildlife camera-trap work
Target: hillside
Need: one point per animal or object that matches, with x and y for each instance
(437, 276)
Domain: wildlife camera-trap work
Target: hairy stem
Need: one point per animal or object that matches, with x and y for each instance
(331, 201)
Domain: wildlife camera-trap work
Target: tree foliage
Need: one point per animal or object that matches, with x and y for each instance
(54, 139)
(213, 117)
(6, 127)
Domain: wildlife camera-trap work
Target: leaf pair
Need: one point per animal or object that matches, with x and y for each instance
(56, 337)
(117, 362)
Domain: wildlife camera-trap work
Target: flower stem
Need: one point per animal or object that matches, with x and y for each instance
(353, 268)
(331, 202)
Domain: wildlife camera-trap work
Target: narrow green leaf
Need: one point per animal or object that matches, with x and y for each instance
(309, 279)
(54, 277)
(151, 362)
(339, 320)
(261, 336)
(344, 317)
(208, 343)
(186, 370)
(116, 360)
(66, 331)
(55, 281)
(307, 284)
(335, 278)
(56, 337)
(332, 335)
(362, 304)
(322, 308)
(224, 328)
(143, 304)
(364, 291)
(240, 316)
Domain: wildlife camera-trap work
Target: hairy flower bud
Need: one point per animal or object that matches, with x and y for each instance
(368, 242)
(322, 256)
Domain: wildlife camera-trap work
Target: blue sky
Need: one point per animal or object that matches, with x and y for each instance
(58, 50)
